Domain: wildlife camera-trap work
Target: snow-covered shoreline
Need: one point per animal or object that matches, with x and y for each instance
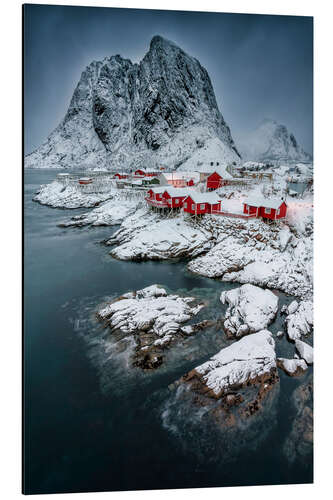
(277, 256)
(233, 250)
(57, 195)
(243, 377)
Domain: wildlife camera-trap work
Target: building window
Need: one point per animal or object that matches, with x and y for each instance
(278, 212)
(193, 206)
(267, 210)
(202, 206)
(176, 201)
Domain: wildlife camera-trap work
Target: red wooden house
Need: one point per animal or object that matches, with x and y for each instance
(270, 208)
(140, 172)
(215, 181)
(121, 175)
(85, 180)
(155, 197)
(202, 203)
(150, 172)
(175, 196)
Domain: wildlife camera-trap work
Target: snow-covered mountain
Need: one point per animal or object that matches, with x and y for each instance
(161, 111)
(272, 142)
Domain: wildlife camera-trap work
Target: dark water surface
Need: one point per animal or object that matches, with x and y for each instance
(91, 422)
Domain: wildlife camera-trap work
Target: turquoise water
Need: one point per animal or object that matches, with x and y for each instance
(91, 422)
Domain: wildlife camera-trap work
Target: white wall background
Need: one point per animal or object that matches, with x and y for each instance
(10, 284)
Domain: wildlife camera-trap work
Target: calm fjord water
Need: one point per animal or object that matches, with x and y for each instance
(91, 425)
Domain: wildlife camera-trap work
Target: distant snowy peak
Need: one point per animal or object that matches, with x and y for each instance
(123, 115)
(272, 141)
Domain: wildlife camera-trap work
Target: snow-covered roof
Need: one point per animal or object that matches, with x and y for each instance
(173, 191)
(222, 172)
(85, 179)
(264, 202)
(158, 190)
(181, 175)
(204, 197)
(147, 170)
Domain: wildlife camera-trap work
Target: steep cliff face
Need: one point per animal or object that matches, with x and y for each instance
(122, 115)
(272, 141)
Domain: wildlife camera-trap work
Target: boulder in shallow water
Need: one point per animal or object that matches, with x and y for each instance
(292, 367)
(305, 351)
(237, 384)
(249, 361)
(156, 320)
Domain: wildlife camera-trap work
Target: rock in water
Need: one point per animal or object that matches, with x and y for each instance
(160, 111)
(235, 390)
(249, 361)
(305, 351)
(250, 309)
(155, 319)
(292, 367)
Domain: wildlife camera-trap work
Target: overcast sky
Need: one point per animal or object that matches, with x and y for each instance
(260, 66)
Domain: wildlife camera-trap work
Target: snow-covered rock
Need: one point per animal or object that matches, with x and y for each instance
(305, 351)
(285, 236)
(162, 111)
(58, 195)
(299, 320)
(250, 309)
(154, 318)
(230, 249)
(145, 235)
(272, 142)
(251, 252)
(292, 367)
(250, 360)
(110, 213)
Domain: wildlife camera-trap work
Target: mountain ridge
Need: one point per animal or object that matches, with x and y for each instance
(272, 142)
(162, 110)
